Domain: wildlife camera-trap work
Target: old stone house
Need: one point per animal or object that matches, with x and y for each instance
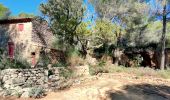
(25, 37)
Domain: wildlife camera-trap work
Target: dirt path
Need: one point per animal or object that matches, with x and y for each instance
(114, 87)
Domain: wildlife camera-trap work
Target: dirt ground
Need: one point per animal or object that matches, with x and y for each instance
(112, 87)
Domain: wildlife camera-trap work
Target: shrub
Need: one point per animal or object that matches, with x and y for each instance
(60, 64)
(66, 73)
(18, 62)
(99, 68)
(17, 94)
(43, 60)
(164, 73)
(36, 92)
(74, 58)
(7, 63)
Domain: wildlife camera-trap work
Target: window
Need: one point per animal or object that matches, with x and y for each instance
(21, 27)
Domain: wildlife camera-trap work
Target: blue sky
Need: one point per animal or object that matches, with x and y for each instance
(18, 6)
(32, 6)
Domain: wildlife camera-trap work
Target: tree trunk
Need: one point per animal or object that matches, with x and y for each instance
(162, 63)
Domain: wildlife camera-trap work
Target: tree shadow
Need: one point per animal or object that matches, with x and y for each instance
(141, 92)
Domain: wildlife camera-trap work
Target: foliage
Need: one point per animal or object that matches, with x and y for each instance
(18, 62)
(43, 60)
(74, 57)
(123, 23)
(17, 94)
(130, 16)
(64, 17)
(66, 73)
(99, 68)
(26, 15)
(23, 15)
(4, 12)
(36, 92)
(137, 71)
(103, 33)
(164, 73)
(83, 33)
(60, 64)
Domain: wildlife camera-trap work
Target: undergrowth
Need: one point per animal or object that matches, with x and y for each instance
(138, 71)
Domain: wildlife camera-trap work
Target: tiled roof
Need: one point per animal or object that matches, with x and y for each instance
(12, 21)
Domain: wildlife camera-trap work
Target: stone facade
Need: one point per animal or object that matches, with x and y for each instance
(34, 36)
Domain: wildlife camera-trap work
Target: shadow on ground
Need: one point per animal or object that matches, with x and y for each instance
(141, 92)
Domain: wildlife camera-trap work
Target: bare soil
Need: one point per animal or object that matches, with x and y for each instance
(112, 87)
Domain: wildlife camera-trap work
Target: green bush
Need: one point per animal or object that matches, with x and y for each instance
(43, 60)
(66, 73)
(17, 94)
(6, 63)
(36, 92)
(60, 64)
(99, 68)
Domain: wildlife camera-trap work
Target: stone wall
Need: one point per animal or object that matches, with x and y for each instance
(22, 81)
(23, 78)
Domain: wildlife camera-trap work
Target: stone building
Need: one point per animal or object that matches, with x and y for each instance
(25, 37)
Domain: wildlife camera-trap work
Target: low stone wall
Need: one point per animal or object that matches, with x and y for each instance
(23, 78)
(21, 81)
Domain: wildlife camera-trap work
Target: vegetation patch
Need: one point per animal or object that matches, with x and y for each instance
(36, 92)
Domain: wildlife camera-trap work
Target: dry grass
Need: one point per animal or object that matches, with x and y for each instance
(138, 71)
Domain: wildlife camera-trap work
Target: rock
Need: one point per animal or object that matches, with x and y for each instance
(16, 79)
(77, 82)
(20, 74)
(18, 88)
(7, 92)
(7, 86)
(5, 78)
(90, 60)
(8, 82)
(1, 89)
(14, 75)
(25, 94)
(19, 81)
(26, 89)
(82, 70)
(1, 93)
